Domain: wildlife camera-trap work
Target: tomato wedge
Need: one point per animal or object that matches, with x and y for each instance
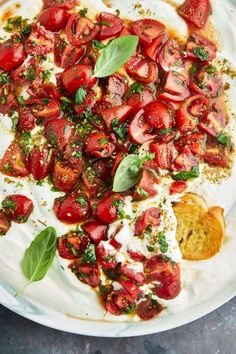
(87, 273)
(148, 309)
(147, 30)
(39, 42)
(185, 161)
(214, 120)
(164, 154)
(110, 24)
(175, 87)
(99, 145)
(119, 302)
(66, 55)
(150, 217)
(146, 187)
(64, 177)
(11, 55)
(207, 81)
(217, 154)
(196, 11)
(53, 19)
(77, 76)
(138, 100)
(41, 160)
(170, 57)
(80, 30)
(96, 231)
(178, 187)
(44, 108)
(59, 132)
(13, 162)
(17, 208)
(26, 121)
(142, 70)
(121, 113)
(152, 51)
(139, 130)
(200, 48)
(72, 245)
(108, 208)
(159, 115)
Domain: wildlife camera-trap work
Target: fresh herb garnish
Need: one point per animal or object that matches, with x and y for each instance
(119, 204)
(120, 130)
(81, 200)
(83, 12)
(46, 75)
(166, 131)
(186, 175)
(162, 242)
(80, 95)
(30, 74)
(98, 45)
(16, 23)
(224, 139)
(128, 173)
(201, 53)
(4, 78)
(142, 193)
(21, 100)
(136, 87)
(89, 254)
(9, 204)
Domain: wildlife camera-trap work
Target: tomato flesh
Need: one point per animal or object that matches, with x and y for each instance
(196, 11)
(17, 208)
(11, 55)
(110, 25)
(40, 162)
(147, 30)
(139, 130)
(158, 115)
(151, 217)
(77, 76)
(53, 19)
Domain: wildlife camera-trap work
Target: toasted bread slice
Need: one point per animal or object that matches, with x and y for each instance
(200, 230)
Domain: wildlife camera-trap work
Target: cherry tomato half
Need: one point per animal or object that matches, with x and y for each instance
(110, 24)
(196, 11)
(99, 145)
(76, 76)
(150, 217)
(139, 130)
(80, 30)
(142, 70)
(147, 30)
(54, 19)
(13, 162)
(158, 115)
(41, 160)
(64, 177)
(11, 55)
(17, 207)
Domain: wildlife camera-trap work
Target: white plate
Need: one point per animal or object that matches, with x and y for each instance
(47, 307)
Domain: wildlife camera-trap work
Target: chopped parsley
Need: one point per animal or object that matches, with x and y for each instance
(194, 69)
(224, 139)
(119, 204)
(30, 74)
(103, 141)
(16, 23)
(201, 53)
(46, 75)
(136, 87)
(105, 23)
(9, 204)
(142, 193)
(80, 95)
(162, 242)
(21, 100)
(4, 78)
(166, 131)
(46, 101)
(83, 12)
(120, 130)
(89, 254)
(81, 200)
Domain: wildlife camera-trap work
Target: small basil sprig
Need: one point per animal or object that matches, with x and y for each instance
(117, 53)
(186, 175)
(39, 256)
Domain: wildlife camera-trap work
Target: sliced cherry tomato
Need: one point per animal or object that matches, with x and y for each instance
(160, 269)
(138, 100)
(67, 5)
(78, 75)
(17, 207)
(207, 82)
(152, 51)
(96, 176)
(213, 121)
(133, 289)
(4, 224)
(72, 209)
(168, 291)
(142, 70)
(150, 217)
(116, 87)
(27, 73)
(64, 177)
(146, 186)
(175, 87)
(47, 90)
(80, 30)
(72, 245)
(139, 130)
(126, 273)
(164, 154)
(87, 273)
(54, 19)
(121, 113)
(177, 187)
(190, 111)
(106, 257)
(136, 256)
(147, 30)
(170, 57)
(119, 302)
(26, 121)
(72, 153)
(66, 55)
(59, 132)
(41, 160)
(195, 142)
(185, 161)
(158, 115)
(200, 48)
(44, 108)
(196, 11)
(11, 55)
(108, 208)
(217, 154)
(125, 32)
(149, 309)
(99, 145)
(39, 42)
(111, 25)
(13, 162)
(96, 231)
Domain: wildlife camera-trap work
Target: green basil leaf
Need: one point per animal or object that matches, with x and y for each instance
(186, 175)
(115, 55)
(224, 139)
(128, 173)
(39, 256)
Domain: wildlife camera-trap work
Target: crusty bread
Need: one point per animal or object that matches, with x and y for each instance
(200, 230)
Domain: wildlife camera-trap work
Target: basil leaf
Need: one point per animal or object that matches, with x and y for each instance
(39, 256)
(115, 55)
(80, 95)
(186, 175)
(128, 173)
(224, 139)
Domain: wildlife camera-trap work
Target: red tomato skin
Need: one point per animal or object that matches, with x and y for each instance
(15, 162)
(99, 145)
(157, 268)
(139, 130)
(132, 289)
(11, 55)
(175, 87)
(119, 302)
(136, 256)
(87, 273)
(213, 121)
(217, 154)
(127, 273)
(18, 74)
(142, 69)
(4, 224)
(49, 110)
(150, 217)
(64, 177)
(80, 30)
(107, 210)
(43, 38)
(195, 11)
(109, 31)
(177, 187)
(152, 51)
(164, 154)
(170, 57)
(147, 182)
(40, 162)
(195, 41)
(139, 100)
(147, 30)
(96, 231)
(54, 19)
(158, 115)
(67, 4)
(20, 210)
(26, 121)
(78, 75)
(59, 132)
(79, 243)
(66, 55)
(168, 291)
(195, 142)
(149, 309)
(70, 211)
(106, 258)
(121, 113)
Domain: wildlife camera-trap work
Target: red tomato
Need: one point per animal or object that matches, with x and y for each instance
(110, 24)
(99, 145)
(152, 51)
(41, 160)
(139, 130)
(207, 82)
(17, 207)
(190, 111)
(80, 30)
(54, 19)
(28, 72)
(217, 154)
(185, 161)
(138, 100)
(96, 231)
(65, 55)
(11, 55)
(44, 108)
(116, 87)
(26, 121)
(196, 11)
(72, 153)
(146, 186)
(136, 256)
(168, 291)
(67, 5)
(47, 90)
(121, 113)
(127, 273)
(160, 269)
(175, 87)
(77, 76)
(142, 70)
(147, 30)
(164, 154)
(8, 102)
(158, 115)
(4, 224)
(13, 162)
(198, 44)
(64, 177)
(150, 217)
(108, 209)
(133, 290)
(170, 57)
(89, 102)
(59, 132)
(177, 187)
(214, 120)
(195, 142)
(106, 258)
(39, 42)
(119, 302)
(148, 309)
(119, 157)
(87, 273)
(72, 245)
(72, 209)
(125, 32)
